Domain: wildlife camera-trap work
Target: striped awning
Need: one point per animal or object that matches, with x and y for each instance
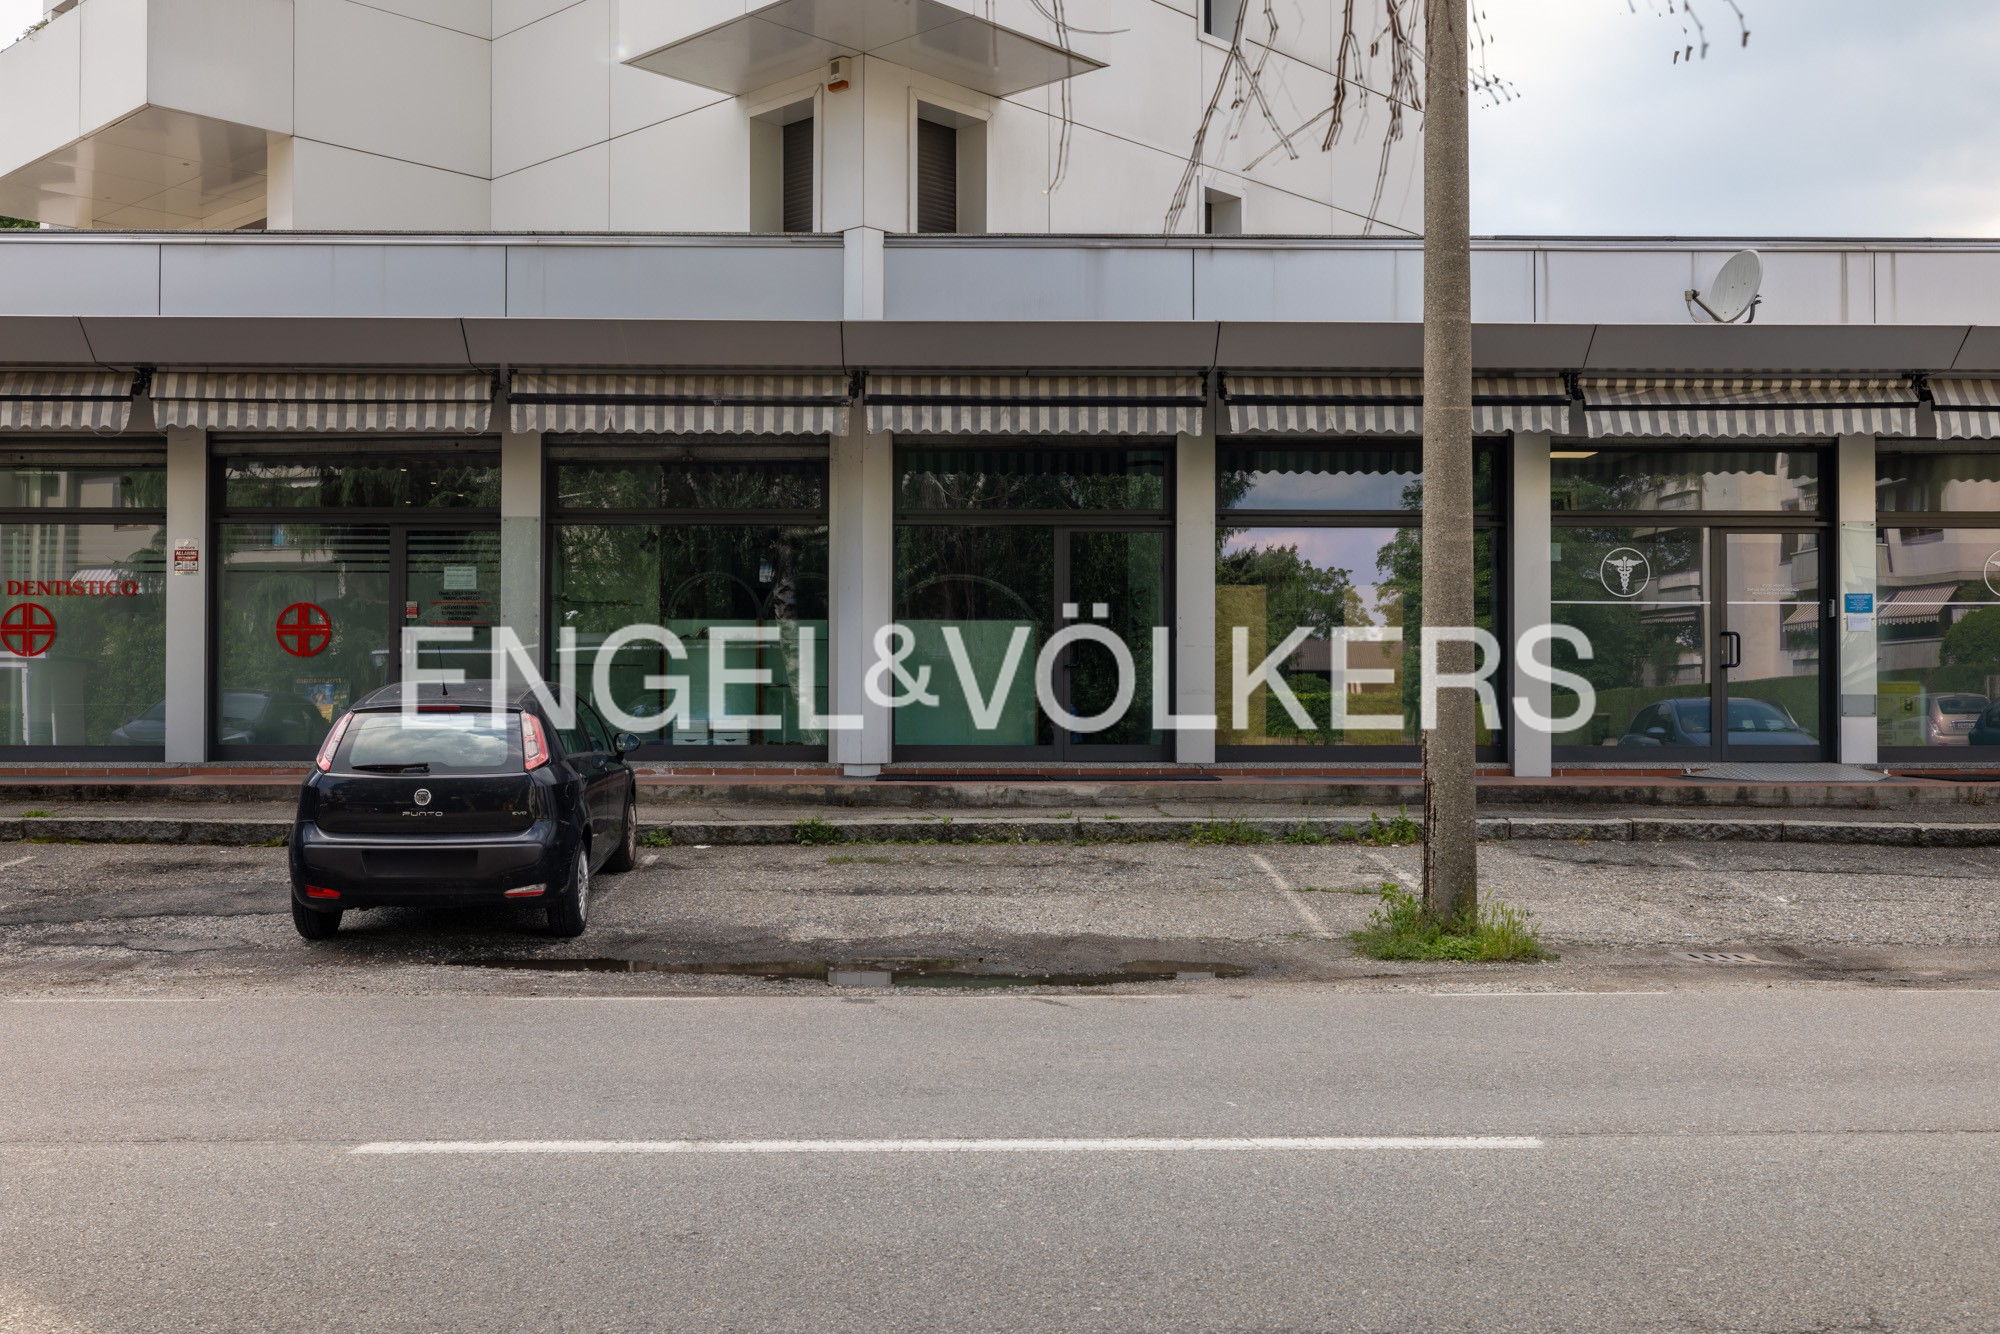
(1748, 409)
(611, 403)
(1966, 409)
(1385, 404)
(1915, 604)
(94, 400)
(1037, 404)
(447, 403)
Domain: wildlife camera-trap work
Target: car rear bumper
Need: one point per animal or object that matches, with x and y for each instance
(373, 870)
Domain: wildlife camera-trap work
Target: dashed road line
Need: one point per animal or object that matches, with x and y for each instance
(1292, 896)
(1246, 1144)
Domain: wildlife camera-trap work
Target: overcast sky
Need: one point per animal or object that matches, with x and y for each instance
(1842, 118)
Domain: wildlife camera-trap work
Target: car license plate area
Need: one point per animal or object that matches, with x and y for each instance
(419, 865)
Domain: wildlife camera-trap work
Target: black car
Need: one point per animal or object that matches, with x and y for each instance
(1986, 731)
(1687, 722)
(453, 802)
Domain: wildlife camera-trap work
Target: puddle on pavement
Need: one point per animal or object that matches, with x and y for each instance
(937, 974)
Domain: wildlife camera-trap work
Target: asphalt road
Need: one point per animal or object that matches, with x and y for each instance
(1771, 1160)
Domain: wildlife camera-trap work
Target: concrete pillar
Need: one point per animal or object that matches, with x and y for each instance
(187, 631)
(1194, 589)
(1854, 574)
(862, 273)
(1528, 536)
(861, 540)
(521, 543)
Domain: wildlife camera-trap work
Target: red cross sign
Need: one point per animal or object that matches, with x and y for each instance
(304, 630)
(28, 629)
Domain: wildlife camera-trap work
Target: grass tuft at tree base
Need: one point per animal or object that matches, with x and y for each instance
(1400, 930)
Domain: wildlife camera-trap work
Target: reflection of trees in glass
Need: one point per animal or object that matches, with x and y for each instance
(1400, 568)
(107, 665)
(1642, 650)
(414, 482)
(1030, 478)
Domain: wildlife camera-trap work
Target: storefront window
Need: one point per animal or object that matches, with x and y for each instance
(323, 561)
(82, 632)
(1937, 634)
(998, 548)
(1321, 538)
(730, 556)
(1741, 480)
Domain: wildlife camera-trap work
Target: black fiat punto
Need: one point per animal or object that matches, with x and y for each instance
(454, 803)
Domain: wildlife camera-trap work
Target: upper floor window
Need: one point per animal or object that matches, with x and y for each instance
(947, 171)
(1219, 18)
(784, 170)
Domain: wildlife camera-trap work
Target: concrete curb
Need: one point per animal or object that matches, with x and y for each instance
(1100, 829)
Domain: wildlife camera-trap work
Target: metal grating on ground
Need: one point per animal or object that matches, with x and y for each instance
(1720, 956)
(1788, 773)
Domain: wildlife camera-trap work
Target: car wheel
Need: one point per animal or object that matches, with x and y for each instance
(626, 855)
(569, 910)
(314, 925)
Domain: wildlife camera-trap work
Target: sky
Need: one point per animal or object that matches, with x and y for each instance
(1841, 118)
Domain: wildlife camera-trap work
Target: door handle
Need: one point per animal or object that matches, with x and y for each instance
(1734, 649)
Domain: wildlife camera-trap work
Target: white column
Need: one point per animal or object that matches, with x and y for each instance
(861, 540)
(521, 533)
(187, 636)
(1528, 536)
(1194, 589)
(1854, 573)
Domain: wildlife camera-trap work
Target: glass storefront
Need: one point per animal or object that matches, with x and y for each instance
(1937, 599)
(1323, 538)
(998, 548)
(322, 560)
(1716, 614)
(82, 604)
(723, 546)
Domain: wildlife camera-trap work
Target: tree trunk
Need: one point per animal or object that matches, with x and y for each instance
(1451, 852)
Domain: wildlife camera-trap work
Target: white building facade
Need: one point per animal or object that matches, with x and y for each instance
(641, 351)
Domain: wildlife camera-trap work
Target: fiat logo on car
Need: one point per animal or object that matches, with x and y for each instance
(423, 797)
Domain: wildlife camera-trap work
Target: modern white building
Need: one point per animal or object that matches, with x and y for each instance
(776, 325)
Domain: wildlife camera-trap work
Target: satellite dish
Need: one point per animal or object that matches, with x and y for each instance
(1734, 293)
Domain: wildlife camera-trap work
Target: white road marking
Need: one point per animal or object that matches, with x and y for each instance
(649, 859)
(1293, 897)
(17, 862)
(1254, 1144)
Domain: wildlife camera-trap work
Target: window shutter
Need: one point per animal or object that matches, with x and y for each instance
(937, 177)
(799, 176)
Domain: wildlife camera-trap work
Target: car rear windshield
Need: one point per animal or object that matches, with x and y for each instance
(1961, 703)
(472, 741)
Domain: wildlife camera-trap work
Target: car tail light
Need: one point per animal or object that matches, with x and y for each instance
(332, 742)
(532, 892)
(534, 743)
(321, 892)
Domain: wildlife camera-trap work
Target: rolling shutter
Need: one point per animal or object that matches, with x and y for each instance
(1746, 409)
(1037, 404)
(611, 403)
(94, 400)
(937, 177)
(798, 169)
(456, 404)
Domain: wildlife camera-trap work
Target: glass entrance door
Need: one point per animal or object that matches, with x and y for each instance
(1769, 645)
(452, 579)
(1688, 625)
(1114, 579)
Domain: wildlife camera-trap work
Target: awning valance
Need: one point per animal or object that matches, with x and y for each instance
(93, 400)
(445, 403)
(610, 403)
(1966, 409)
(1749, 409)
(1037, 404)
(1385, 404)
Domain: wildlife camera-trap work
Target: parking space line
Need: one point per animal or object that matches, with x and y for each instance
(1293, 897)
(1389, 869)
(16, 862)
(649, 859)
(1253, 1144)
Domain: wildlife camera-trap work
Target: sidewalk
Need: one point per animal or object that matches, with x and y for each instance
(670, 820)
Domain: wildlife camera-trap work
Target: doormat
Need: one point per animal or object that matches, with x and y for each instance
(1787, 773)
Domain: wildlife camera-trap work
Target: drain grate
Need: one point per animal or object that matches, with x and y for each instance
(1720, 956)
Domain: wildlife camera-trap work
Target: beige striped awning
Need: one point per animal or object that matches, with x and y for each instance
(1749, 409)
(446, 403)
(1151, 405)
(1385, 404)
(613, 403)
(92, 400)
(1966, 409)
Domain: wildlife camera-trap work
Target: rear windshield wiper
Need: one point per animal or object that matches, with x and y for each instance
(392, 768)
